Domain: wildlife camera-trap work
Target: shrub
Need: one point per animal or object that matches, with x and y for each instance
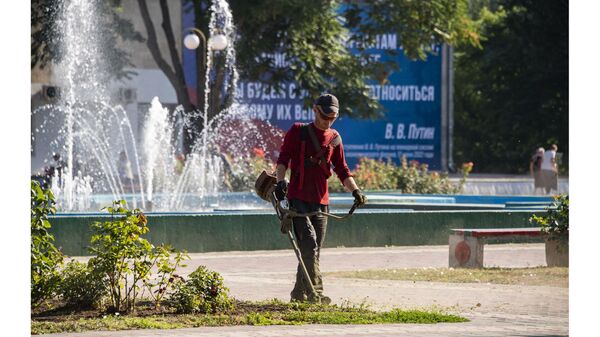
(555, 223)
(159, 286)
(409, 178)
(415, 178)
(80, 286)
(121, 254)
(125, 259)
(202, 292)
(376, 174)
(245, 170)
(465, 170)
(45, 258)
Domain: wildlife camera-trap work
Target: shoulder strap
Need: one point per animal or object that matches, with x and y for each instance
(313, 138)
(335, 141)
(319, 157)
(303, 131)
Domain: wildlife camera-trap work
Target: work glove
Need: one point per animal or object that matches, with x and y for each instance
(286, 224)
(281, 189)
(359, 198)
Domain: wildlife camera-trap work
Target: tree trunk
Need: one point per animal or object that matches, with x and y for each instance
(176, 74)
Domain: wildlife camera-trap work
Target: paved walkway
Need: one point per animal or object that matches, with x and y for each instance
(494, 310)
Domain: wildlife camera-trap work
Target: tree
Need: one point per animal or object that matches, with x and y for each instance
(313, 34)
(511, 95)
(45, 34)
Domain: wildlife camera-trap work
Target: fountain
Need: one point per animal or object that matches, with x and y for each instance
(101, 159)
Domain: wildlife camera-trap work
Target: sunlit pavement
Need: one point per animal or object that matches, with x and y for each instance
(494, 310)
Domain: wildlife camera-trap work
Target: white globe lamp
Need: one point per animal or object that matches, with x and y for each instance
(191, 41)
(217, 42)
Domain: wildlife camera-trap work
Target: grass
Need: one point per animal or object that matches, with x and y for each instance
(538, 276)
(272, 312)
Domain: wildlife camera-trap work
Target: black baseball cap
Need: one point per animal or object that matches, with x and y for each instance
(329, 104)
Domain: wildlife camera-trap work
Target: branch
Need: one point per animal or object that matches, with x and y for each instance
(153, 44)
(168, 29)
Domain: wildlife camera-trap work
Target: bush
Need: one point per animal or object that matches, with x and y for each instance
(80, 286)
(45, 258)
(409, 178)
(125, 259)
(121, 254)
(244, 170)
(159, 286)
(555, 223)
(376, 174)
(202, 292)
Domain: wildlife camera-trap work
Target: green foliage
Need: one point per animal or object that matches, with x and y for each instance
(511, 95)
(122, 255)
(314, 37)
(46, 42)
(81, 287)
(555, 223)
(165, 276)
(45, 258)
(410, 178)
(376, 174)
(414, 178)
(254, 313)
(246, 169)
(124, 258)
(202, 292)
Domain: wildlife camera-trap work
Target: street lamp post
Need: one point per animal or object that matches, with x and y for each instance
(192, 41)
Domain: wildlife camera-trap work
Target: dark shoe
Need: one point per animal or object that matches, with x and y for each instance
(313, 299)
(298, 297)
(321, 299)
(325, 300)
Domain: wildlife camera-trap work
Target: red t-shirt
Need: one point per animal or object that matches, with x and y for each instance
(314, 188)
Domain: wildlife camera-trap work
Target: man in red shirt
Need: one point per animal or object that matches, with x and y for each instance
(309, 150)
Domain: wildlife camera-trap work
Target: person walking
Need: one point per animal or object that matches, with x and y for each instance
(310, 151)
(549, 169)
(125, 172)
(535, 166)
(60, 166)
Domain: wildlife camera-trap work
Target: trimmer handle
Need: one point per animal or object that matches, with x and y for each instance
(277, 204)
(354, 207)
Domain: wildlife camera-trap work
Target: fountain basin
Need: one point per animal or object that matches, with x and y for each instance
(259, 229)
(236, 201)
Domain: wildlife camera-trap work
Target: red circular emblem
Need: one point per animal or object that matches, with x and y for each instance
(462, 252)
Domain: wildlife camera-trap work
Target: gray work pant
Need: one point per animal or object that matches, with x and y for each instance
(310, 234)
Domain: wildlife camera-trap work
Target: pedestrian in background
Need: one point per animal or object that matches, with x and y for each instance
(535, 167)
(125, 172)
(59, 165)
(549, 171)
(179, 163)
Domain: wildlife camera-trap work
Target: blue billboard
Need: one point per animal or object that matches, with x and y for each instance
(412, 99)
